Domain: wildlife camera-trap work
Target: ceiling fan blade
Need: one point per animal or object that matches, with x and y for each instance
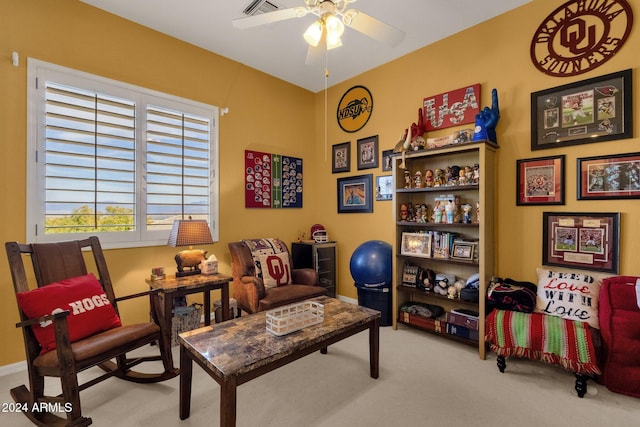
(373, 28)
(268, 18)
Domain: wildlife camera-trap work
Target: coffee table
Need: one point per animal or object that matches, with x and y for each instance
(239, 350)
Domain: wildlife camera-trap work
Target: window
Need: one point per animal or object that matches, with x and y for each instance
(115, 160)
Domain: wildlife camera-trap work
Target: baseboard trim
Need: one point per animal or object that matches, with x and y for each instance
(13, 368)
(347, 299)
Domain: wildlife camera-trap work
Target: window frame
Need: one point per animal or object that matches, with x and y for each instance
(40, 71)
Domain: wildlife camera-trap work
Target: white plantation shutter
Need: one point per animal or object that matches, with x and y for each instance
(178, 166)
(115, 160)
(89, 161)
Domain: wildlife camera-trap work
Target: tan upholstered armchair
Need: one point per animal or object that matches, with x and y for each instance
(254, 263)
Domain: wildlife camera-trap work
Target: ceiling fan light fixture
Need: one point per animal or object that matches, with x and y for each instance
(333, 41)
(334, 25)
(313, 33)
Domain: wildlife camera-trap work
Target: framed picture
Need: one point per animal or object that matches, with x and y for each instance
(387, 160)
(368, 152)
(416, 244)
(593, 110)
(616, 176)
(540, 181)
(384, 187)
(341, 155)
(355, 194)
(462, 251)
(586, 241)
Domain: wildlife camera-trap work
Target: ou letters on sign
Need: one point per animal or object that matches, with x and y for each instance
(453, 108)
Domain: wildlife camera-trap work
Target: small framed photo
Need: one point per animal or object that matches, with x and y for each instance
(616, 176)
(416, 244)
(387, 160)
(583, 240)
(341, 155)
(384, 187)
(368, 152)
(355, 194)
(462, 251)
(540, 181)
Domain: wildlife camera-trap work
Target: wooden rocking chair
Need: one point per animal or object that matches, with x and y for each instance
(53, 262)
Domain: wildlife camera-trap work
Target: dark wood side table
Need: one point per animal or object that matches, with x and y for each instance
(172, 287)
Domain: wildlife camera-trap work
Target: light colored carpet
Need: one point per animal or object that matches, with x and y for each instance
(424, 381)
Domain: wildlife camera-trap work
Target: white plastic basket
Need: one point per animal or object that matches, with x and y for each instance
(290, 318)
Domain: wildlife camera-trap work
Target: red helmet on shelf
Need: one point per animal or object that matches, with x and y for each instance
(318, 233)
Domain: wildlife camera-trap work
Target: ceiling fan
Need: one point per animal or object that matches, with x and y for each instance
(327, 30)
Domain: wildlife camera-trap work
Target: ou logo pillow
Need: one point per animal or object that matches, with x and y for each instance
(276, 270)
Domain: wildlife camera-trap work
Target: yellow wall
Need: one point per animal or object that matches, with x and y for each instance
(268, 114)
(264, 114)
(496, 55)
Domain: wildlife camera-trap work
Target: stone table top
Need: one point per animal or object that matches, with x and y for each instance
(243, 344)
(172, 283)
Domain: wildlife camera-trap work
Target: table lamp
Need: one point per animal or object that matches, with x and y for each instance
(188, 233)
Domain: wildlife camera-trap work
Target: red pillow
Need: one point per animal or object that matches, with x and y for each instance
(90, 309)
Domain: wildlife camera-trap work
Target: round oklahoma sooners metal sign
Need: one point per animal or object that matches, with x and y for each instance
(581, 35)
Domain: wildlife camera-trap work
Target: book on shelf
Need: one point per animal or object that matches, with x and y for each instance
(442, 242)
(462, 332)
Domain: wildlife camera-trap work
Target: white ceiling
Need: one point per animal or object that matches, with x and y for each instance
(278, 49)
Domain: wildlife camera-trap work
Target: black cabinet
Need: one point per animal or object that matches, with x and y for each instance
(322, 258)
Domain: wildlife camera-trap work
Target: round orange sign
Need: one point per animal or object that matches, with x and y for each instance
(354, 109)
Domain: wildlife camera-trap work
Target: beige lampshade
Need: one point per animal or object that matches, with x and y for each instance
(190, 232)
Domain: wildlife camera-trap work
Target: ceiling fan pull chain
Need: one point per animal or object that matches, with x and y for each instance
(326, 78)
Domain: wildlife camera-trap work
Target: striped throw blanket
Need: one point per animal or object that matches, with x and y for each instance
(536, 336)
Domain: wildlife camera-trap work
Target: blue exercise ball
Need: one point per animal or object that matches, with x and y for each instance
(371, 263)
